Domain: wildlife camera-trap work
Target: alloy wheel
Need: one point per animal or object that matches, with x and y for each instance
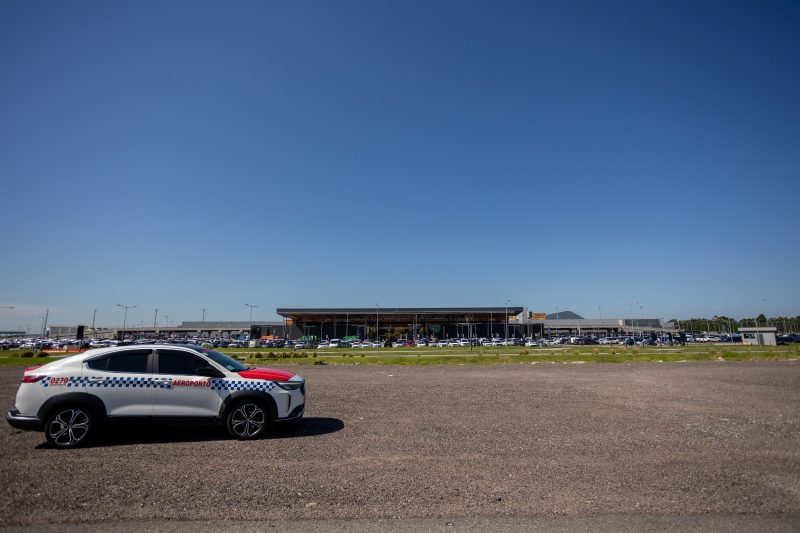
(69, 427)
(248, 420)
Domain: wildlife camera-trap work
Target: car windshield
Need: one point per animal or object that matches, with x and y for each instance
(222, 359)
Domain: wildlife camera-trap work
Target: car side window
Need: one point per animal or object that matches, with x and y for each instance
(179, 362)
(133, 362)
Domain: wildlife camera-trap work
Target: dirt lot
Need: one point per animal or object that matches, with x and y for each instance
(446, 441)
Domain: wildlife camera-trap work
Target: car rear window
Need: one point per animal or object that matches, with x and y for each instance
(132, 361)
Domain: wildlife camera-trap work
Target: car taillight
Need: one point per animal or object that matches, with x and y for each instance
(32, 379)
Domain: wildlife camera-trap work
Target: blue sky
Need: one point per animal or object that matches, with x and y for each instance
(579, 155)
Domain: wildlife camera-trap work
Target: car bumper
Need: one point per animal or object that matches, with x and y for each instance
(296, 413)
(16, 420)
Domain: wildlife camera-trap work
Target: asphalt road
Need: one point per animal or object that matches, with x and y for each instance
(572, 446)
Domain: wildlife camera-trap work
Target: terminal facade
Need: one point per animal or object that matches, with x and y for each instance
(392, 323)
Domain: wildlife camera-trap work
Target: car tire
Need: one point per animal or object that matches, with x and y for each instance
(248, 420)
(69, 426)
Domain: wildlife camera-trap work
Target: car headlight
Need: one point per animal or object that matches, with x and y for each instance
(289, 385)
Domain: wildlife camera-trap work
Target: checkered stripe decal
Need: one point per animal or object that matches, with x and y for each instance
(127, 383)
(239, 384)
(151, 383)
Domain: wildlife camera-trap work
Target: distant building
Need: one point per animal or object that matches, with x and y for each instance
(761, 336)
(62, 331)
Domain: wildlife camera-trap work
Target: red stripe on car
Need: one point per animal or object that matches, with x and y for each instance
(266, 373)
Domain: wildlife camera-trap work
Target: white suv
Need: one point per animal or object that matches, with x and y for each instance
(153, 383)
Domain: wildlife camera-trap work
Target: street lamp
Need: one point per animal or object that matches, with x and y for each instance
(758, 338)
(630, 312)
(125, 318)
(377, 323)
(251, 314)
(508, 300)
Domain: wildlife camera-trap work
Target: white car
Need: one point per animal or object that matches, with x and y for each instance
(69, 398)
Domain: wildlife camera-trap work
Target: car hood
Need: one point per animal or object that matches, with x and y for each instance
(266, 373)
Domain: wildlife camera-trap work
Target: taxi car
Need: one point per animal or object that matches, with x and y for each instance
(68, 399)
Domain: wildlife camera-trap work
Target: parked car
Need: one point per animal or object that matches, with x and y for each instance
(71, 397)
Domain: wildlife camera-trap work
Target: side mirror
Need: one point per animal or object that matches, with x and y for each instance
(209, 372)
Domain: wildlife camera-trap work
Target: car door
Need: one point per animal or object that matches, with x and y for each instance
(182, 393)
(122, 380)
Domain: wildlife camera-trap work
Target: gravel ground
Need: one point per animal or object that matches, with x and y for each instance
(430, 442)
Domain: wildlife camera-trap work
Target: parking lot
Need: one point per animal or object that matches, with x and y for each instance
(429, 442)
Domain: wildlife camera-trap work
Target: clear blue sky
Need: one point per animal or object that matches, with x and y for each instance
(189, 155)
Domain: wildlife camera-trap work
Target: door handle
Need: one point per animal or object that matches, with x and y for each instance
(97, 379)
(163, 381)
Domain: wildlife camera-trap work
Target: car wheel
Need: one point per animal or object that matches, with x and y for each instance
(69, 426)
(248, 419)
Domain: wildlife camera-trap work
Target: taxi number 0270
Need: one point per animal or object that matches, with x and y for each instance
(59, 381)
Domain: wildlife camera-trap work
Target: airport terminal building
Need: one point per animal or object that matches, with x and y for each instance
(392, 323)
(450, 322)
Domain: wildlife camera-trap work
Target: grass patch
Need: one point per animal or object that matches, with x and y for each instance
(25, 361)
(484, 356)
(502, 355)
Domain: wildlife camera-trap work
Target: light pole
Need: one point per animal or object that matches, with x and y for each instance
(44, 327)
(125, 318)
(758, 338)
(251, 314)
(94, 315)
(507, 300)
(630, 312)
(155, 319)
(203, 322)
(377, 322)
